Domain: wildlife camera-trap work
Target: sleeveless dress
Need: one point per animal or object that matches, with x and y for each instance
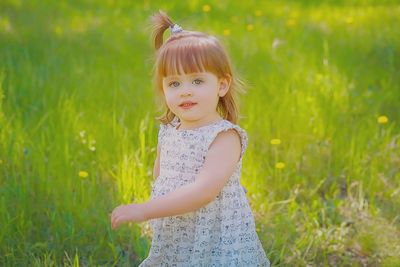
(222, 233)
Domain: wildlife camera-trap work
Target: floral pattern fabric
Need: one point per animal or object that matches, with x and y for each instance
(222, 233)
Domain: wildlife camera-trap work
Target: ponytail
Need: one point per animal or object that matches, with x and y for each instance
(160, 22)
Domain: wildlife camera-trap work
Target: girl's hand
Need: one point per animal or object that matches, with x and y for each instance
(127, 213)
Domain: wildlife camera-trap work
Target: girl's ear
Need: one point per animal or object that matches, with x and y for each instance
(224, 84)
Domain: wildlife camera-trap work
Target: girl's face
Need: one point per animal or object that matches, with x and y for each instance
(201, 91)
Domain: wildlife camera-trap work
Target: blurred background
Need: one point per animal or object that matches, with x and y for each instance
(78, 131)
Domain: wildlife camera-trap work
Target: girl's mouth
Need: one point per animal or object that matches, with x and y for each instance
(188, 105)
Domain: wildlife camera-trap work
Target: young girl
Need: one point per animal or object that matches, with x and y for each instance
(198, 211)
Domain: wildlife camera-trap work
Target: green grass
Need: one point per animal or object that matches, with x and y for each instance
(76, 96)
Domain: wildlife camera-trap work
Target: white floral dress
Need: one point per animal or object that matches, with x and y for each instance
(222, 233)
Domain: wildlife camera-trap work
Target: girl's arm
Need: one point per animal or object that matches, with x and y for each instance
(219, 165)
(156, 168)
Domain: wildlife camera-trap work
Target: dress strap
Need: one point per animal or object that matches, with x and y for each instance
(224, 126)
(162, 133)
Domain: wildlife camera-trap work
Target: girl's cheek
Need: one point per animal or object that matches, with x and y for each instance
(170, 101)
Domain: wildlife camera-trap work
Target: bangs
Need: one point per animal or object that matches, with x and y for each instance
(185, 57)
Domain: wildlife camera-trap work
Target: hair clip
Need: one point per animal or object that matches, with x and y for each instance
(176, 28)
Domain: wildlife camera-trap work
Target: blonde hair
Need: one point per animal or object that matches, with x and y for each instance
(188, 52)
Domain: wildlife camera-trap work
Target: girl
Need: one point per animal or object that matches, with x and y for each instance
(198, 211)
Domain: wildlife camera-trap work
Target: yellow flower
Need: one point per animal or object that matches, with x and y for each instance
(349, 20)
(319, 77)
(206, 8)
(1, 161)
(280, 165)
(275, 141)
(382, 119)
(227, 32)
(83, 174)
(250, 27)
(258, 13)
(5, 24)
(58, 30)
(291, 22)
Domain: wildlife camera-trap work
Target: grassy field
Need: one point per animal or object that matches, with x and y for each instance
(78, 130)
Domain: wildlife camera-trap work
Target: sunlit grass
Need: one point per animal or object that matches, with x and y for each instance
(78, 134)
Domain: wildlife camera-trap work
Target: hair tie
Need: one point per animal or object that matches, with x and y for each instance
(176, 28)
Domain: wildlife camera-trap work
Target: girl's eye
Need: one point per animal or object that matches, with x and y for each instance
(198, 80)
(172, 83)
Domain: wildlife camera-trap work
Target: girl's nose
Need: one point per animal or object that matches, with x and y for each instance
(186, 94)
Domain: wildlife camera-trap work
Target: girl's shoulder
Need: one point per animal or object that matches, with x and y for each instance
(225, 125)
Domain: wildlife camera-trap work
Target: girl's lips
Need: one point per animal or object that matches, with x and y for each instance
(188, 106)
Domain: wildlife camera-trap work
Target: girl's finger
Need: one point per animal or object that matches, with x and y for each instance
(116, 220)
(113, 220)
